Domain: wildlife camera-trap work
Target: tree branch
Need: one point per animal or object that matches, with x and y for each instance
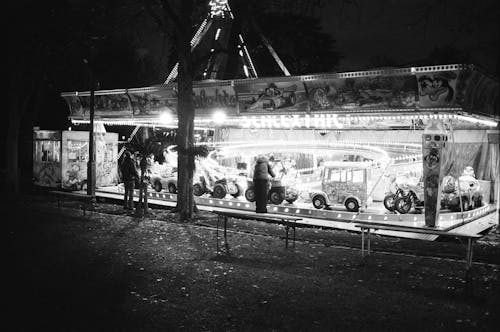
(169, 11)
(149, 8)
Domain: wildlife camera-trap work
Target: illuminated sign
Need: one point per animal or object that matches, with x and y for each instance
(217, 7)
(291, 121)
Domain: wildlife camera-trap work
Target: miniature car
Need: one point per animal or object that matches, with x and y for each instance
(219, 188)
(169, 183)
(277, 193)
(343, 183)
(226, 186)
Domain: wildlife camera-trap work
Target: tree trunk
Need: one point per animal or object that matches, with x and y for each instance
(23, 95)
(139, 211)
(185, 113)
(11, 153)
(18, 106)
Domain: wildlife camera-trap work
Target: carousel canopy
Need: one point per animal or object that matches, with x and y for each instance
(448, 90)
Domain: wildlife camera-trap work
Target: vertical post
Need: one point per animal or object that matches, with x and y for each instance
(368, 241)
(91, 172)
(433, 142)
(225, 234)
(362, 242)
(218, 220)
(287, 228)
(469, 253)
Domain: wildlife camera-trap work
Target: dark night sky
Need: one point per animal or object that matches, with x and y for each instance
(405, 31)
(408, 30)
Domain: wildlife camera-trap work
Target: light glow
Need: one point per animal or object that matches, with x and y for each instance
(217, 7)
(219, 117)
(489, 123)
(165, 118)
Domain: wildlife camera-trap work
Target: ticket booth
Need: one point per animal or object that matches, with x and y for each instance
(60, 159)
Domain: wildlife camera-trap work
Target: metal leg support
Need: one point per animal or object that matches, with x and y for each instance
(286, 237)
(362, 242)
(217, 232)
(468, 271)
(225, 234)
(469, 253)
(368, 241)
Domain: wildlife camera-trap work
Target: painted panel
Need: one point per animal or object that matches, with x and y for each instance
(153, 102)
(208, 98)
(106, 159)
(477, 93)
(363, 92)
(205, 99)
(272, 96)
(75, 106)
(113, 105)
(47, 163)
(437, 89)
(54, 135)
(75, 157)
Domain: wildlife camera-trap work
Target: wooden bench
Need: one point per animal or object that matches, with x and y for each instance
(367, 226)
(287, 221)
(85, 199)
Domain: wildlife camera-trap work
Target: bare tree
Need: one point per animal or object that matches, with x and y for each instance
(175, 17)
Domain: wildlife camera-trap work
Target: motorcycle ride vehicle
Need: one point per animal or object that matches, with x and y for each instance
(390, 199)
(410, 199)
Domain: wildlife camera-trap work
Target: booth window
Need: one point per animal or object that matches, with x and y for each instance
(47, 151)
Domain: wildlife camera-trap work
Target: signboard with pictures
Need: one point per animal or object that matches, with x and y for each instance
(114, 105)
(207, 98)
(75, 106)
(145, 103)
(475, 91)
(264, 97)
(363, 92)
(437, 89)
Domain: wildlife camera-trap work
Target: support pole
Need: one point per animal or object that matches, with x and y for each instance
(91, 171)
(434, 140)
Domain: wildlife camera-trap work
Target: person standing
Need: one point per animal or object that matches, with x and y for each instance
(129, 176)
(261, 173)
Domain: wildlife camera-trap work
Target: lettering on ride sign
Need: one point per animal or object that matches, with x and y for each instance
(292, 121)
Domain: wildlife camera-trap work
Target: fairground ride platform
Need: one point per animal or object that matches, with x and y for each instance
(470, 222)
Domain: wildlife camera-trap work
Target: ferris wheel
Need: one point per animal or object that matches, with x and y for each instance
(215, 33)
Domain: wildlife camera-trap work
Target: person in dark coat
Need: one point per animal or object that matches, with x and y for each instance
(129, 176)
(261, 173)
